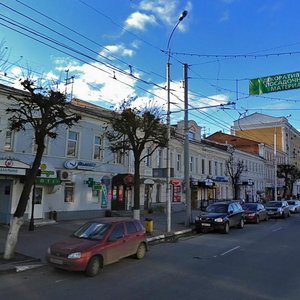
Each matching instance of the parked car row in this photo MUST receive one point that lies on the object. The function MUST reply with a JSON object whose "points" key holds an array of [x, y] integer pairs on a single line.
{"points": [[223, 215]]}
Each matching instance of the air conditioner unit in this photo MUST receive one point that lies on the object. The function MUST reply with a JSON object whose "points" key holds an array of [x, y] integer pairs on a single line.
{"points": [[65, 175]]}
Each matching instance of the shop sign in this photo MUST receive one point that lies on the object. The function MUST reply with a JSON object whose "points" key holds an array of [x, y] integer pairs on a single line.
{"points": [[47, 170], [47, 181], [12, 171], [78, 164]]}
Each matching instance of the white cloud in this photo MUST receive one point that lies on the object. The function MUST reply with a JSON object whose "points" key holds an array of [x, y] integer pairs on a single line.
{"points": [[139, 21], [117, 49], [167, 11]]}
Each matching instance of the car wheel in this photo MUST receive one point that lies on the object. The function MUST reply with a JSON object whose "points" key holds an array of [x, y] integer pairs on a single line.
{"points": [[257, 220], [226, 228], [242, 223], [93, 267], [141, 251]]}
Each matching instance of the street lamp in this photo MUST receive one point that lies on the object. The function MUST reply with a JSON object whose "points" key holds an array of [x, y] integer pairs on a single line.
{"points": [[182, 16]]}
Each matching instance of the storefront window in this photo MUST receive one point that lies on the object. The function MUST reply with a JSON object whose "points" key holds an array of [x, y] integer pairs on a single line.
{"points": [[69, 192]]}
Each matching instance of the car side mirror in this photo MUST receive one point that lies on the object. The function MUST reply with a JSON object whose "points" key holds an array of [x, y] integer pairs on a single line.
{"points": [[231, 211]]}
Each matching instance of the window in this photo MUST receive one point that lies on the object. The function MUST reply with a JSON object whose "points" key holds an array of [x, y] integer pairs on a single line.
{"points": [[191, 136], [9, 139], [178, 162], [191, 163], [118, 232], [72, 144], [196, 165], [131, 229], [159, 158], [119, 157], [69, 192], [216, 168], [209, 167], [98, 154], [148, 158], [96, 196], [221, 169], [203, 166]]}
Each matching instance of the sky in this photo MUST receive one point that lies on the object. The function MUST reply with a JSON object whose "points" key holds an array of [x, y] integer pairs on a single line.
{"points": [[112, 51]]}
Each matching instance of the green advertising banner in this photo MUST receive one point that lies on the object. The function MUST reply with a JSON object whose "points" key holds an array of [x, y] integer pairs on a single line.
{"points": [[274, 83]]}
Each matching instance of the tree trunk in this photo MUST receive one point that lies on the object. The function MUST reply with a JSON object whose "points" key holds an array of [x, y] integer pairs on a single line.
{"points": [[17, 221], [12, 237]]}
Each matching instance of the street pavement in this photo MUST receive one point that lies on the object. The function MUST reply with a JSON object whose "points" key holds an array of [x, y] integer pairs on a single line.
{"points": [[32, 245]]}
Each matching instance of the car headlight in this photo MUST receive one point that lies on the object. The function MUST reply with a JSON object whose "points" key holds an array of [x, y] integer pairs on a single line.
{"points": [[251, 215], [74, 255], [219, 220]]}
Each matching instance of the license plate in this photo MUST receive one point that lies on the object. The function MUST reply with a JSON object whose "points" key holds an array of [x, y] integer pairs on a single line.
{"points": [[56, 261], [205, 224]]}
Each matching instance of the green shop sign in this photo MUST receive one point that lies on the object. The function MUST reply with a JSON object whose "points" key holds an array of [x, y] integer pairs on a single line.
{"points": [[274, 83], [47, 181]]}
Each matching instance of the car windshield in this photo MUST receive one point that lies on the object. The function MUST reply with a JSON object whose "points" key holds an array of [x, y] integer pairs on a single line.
{"points": [[249, 206], [273, 204], [93, 231], [217, 208]]}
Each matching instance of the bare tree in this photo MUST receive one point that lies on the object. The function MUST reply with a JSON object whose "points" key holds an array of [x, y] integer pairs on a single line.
{"points": [[234, 169], [132, 130], [290, 174], [44, 111]]}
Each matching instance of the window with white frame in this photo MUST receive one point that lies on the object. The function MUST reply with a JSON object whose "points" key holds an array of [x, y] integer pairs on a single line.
{"points": [[98, 148], [159, 158], [216, 168], [69, 192], [221, 169], [148, 158], [72, 147], [9, 140], [196, 165], [178, 162], [203, 166], [209, 167], [119, 157], [96, 196], [191, 164]]}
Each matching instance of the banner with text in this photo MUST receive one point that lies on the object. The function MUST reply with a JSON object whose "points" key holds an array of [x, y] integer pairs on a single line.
{"points": [[274, 83]]}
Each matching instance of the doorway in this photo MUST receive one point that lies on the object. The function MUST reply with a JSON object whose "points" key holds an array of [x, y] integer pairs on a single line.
{"points": [[5, 200], [38, 203]]}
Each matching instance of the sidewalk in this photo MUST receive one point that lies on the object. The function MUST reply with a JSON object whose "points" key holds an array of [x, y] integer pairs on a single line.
{"points": [[32, 245]]}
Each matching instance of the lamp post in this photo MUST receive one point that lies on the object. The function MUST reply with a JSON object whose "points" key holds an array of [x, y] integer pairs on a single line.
{"points": [[182, 16]]}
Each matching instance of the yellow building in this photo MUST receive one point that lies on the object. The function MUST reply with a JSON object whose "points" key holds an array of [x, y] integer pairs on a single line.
{"points": [[273, 131]]}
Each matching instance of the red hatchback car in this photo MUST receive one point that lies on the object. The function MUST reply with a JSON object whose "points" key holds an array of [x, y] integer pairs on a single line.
{"points": [[99, 243]]}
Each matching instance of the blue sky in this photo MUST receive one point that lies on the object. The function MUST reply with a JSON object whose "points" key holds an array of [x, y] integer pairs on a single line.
{"points": [[118, 49]]}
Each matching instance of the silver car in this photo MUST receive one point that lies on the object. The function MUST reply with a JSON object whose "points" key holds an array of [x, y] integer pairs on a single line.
{"points": [[294, 205], [278, 209]]}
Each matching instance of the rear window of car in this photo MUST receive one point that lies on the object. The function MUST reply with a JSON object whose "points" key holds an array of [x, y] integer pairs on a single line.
{"points": [[217, 208], [291, 202], [274, 204], [249, 206]]}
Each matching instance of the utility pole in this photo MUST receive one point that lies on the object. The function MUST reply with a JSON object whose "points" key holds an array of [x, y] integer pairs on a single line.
{"points": [[275, 165], [186, 148]]}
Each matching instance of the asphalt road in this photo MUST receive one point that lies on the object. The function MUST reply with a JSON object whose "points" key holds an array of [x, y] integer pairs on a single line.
{"points": [[257, 262]]}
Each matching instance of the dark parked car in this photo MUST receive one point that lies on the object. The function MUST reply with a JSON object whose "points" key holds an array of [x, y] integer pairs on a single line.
{"points": [[96, 244], [294, 206], [278, 209], [220, 216], [255, 212]]}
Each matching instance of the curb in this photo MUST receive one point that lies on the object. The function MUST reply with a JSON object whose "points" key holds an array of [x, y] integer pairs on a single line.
{"points": [[164, 236]]}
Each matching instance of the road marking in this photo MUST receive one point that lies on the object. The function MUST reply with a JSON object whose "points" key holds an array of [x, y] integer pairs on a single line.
{"points": [[235, 248], [274, 230]]}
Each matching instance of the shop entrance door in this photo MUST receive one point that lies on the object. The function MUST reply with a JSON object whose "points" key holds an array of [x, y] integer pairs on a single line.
{"points": [[5, 201], [38, 203]]}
